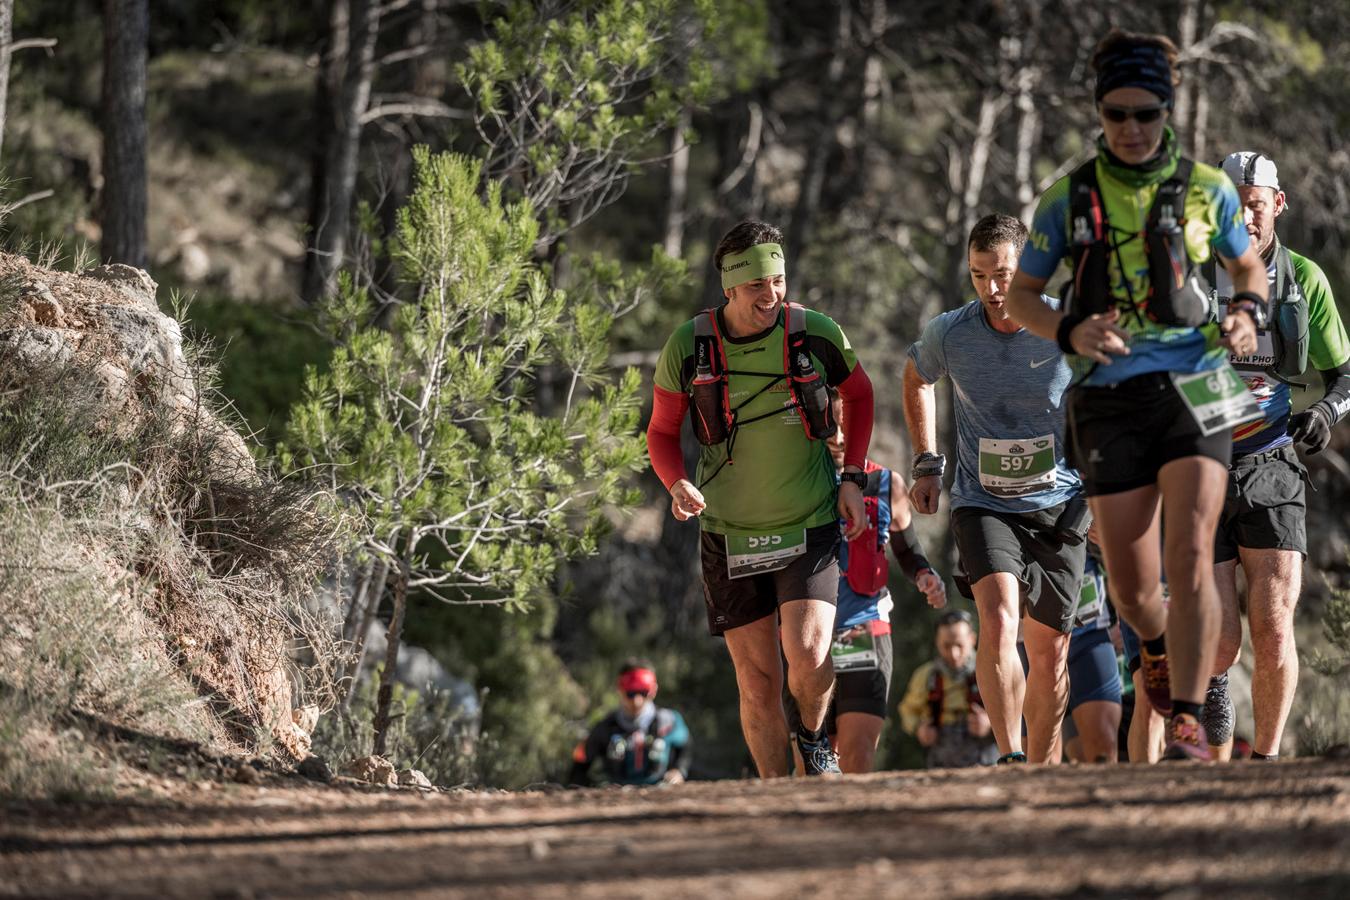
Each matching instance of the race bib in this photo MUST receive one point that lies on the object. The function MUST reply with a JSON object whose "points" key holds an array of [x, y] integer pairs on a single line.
{"points": [[1217, 399], [1263, 358], [754, 554], [854, 649], [1018, 467], [1089, 599]]}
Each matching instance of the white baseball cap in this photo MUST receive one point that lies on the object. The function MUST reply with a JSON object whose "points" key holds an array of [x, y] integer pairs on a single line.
{"points": [[1253, 169]]}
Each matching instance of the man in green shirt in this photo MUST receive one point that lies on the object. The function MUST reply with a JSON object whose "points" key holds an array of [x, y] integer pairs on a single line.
{"points": [[752, 374], [1262, 525]]}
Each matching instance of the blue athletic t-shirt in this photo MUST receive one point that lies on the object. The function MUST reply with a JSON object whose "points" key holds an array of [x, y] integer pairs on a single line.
{"points": [[1009, 391]]}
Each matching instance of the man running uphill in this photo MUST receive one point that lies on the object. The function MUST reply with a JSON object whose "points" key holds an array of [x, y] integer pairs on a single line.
{"points": [[1013, 495], [639, 742], [753, 374], [1262, 525], [862, 655]]}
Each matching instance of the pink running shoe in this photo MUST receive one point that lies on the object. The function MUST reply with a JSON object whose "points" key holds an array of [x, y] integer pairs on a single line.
{"points": [[1186, 739]]}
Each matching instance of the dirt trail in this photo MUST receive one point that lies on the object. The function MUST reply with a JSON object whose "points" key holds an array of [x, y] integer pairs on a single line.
{"points": [[1242, 830]]}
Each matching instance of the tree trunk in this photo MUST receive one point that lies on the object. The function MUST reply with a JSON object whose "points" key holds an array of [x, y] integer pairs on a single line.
{"points": [[393, 639], [1188, 29], [342, 97], [371, 606], [1028, 136], [6, 38], [126, 27], [357, 603], [678, 182], [803, 222]]}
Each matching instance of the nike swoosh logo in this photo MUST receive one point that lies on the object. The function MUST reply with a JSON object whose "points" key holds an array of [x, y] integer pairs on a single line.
{"points": [[1037, 365]]}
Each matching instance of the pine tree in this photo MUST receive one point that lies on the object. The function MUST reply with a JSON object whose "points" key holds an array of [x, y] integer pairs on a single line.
{"points": [[429, 427]]}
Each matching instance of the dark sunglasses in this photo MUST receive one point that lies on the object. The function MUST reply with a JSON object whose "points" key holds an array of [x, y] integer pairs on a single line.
{"points": [[1141, 114], [634, 694]]}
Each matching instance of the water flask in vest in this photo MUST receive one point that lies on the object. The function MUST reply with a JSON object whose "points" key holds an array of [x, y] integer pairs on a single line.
{"points": [[709, 425], [813, 398]]}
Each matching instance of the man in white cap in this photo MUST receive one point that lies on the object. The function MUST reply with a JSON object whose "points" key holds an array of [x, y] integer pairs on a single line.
{"points": [[1262, 526]]}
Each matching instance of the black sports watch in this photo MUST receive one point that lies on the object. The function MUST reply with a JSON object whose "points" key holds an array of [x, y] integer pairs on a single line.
{"points": [[1254, 305], [858, 478]]}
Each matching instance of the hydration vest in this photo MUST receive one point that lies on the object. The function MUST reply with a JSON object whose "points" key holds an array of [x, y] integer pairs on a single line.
{"points": [[936, 694], [716, 421], [864, 557], [642, 755], [1288, 326], [1177, 294]]}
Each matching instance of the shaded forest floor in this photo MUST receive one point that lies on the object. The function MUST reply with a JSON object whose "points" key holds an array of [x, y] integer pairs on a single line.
{"points": [[1238, 830]]}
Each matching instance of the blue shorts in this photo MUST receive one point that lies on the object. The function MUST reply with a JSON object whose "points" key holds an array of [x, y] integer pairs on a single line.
{"points": [[1129, 640], [1093, 672]]}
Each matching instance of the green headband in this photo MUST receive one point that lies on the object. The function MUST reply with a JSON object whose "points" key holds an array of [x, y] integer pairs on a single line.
{"points": [[759, 261]]}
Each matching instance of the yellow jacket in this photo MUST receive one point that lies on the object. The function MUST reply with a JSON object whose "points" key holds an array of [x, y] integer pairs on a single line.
{"points": [[914, 708]]}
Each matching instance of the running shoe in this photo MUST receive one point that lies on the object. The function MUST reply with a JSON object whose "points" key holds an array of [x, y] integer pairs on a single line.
{"points": [[818, 757], [1017, 756], [1157, 681], [1186, 739]]}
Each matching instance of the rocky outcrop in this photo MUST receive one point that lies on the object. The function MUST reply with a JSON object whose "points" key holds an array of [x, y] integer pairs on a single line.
{"points": [[99, 338]]}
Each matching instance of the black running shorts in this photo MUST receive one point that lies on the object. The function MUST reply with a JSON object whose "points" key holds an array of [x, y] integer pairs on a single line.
{"points": [[855, 690], [733, 602], [1121, 435], [1265, 508], [1023, 544], [864, 690]]}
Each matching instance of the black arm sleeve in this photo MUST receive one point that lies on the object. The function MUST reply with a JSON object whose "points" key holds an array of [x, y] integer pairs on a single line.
{"points": [[1336, 400], [681, 758], [908, 551]]}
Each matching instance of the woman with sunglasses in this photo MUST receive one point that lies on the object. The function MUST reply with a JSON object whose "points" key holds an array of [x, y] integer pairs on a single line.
{"points": [[1153, 401]]}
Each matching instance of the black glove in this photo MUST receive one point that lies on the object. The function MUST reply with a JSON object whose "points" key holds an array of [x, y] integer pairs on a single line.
{"points": [[1311, 428]]}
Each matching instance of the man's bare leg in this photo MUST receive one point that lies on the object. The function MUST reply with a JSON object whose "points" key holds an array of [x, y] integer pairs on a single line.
{"points": [[1274, 579], [1047, 689], [856, 741], [1147, 727], [807, 631], [1098, 724], [1230, 618], [998, 669], [759, 680]]}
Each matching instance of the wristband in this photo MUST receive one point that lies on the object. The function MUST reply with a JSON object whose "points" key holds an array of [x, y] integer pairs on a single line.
{"points": [[928, 463], [1067, 324]]}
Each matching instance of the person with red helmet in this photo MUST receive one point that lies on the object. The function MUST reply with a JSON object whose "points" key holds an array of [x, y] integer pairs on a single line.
{"points": [[639, 742]]}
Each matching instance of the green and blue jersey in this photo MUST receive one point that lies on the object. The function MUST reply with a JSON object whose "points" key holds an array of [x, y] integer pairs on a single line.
{"points": [[1213, 223]]}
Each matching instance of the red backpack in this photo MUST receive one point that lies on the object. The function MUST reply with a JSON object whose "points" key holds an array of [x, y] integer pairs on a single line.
{"points": [[867, 568]]}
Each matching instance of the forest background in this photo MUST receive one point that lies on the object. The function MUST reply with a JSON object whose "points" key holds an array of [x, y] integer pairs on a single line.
{"points": [[281, 149]]}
